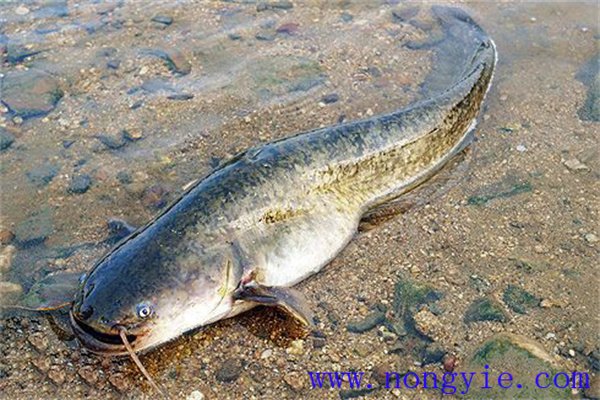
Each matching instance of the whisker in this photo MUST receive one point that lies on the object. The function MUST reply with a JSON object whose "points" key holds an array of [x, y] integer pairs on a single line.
{"points": [[136, 360]]}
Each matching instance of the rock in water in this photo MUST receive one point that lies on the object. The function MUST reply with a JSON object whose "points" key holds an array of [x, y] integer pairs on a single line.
{"points": [[30, 93]]}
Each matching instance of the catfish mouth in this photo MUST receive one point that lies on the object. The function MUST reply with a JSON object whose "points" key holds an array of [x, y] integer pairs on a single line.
{"points": [[100, 342]]}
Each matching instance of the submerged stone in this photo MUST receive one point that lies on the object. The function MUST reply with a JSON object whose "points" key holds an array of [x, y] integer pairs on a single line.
{"points": [[30, 93], [519, 300], [485, 309], [80, 184], [367, 323], [6, 139], [42, 174], [34, 229]]}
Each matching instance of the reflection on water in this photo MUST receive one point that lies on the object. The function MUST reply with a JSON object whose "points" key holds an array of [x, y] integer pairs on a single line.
{"points": [[109, 109]]}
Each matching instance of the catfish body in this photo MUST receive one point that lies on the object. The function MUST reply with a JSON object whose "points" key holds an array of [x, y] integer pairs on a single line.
{"points": [[269, 218]]}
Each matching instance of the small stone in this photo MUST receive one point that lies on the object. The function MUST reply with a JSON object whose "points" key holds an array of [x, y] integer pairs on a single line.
{"points": [[6, 257], [296, 347], [433, 354], [6, 139], [124, 177], [234, 36], [282, 5], [575, 165], [35, 228], [43, 174], [112, 142], [572, 352], [174, 59], [180, 96], [132, 134], [10, 292], [590, 238], [89, 374], [57, 375], [346, 17], [367, 323], [113, 64], [80, 184], [450, 362], [265, 36], [546, 303], [295, 381], [6, 236], [330, 98], [266, 354], [519, 300], [229, 371], [289, 29], [30, 93], [155, 196], [119, 381], [521, 148], [484, 309], [427, 323], [195, 395], [22, 10], [39, 341], [163, 19], [42, 364]]}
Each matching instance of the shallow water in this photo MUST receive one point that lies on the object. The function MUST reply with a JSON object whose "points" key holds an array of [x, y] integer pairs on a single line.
{"points": [[110, 109]]}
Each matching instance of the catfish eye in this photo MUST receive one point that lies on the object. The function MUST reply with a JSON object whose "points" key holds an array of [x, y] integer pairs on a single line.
{"points": [[143, 310]]}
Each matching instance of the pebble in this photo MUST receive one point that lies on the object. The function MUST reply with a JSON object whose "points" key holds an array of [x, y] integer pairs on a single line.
{"points": [[124, 177], [112, 142], [367, 323], [450, 362], [39, 341], [132, 134], [30, 93], [433, 354], [6, 236], [180, 96], [6, 256], [330, 98], [42, 364], [575, 165], [266, 354], [195, 395], [296, 347], [89, 374], [229, 371], [163, 19], [113, 64], [271, 5], [21, 10], [9, 291], [521, 148], [35, 228], [155, 196], [590, 238], [42, 174], [119, 382], [80, 184], [289, 29], [6, 139], [484, 309], [57, 375], [175, 60], [295, 381], [518, 299], [265, 36]]}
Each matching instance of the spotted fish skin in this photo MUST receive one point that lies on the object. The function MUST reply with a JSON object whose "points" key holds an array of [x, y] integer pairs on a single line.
{"points": [[274, 214]]}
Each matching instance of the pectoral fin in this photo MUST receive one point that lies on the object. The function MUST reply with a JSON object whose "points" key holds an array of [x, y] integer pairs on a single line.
{"points": [[288, 299]]}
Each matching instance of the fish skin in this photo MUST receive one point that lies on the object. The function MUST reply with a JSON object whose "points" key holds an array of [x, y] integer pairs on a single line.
{"points": [[278, 213]]}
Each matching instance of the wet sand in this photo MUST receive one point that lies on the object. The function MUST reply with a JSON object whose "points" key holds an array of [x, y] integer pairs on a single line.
{"points": [[130, 104]]}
